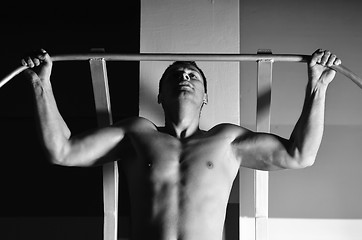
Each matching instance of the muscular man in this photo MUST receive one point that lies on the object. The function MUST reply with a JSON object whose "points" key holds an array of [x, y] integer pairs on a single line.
{"points": [[180, 176]]}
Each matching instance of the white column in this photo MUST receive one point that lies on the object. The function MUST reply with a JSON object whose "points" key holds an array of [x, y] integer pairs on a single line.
{"points": [[110, 170]]}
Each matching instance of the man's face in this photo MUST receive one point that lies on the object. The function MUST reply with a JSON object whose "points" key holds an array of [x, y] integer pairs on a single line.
{"points": [[183, 81]]}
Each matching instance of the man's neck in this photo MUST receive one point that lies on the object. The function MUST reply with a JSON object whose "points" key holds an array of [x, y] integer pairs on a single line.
{"points": [[180, 131], [182, 124]]}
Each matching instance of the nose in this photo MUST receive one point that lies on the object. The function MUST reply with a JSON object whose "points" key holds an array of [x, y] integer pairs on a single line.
{"points": [[186, 76]]}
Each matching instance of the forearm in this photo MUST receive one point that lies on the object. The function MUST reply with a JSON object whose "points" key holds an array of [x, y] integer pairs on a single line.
{"points": [[307, 134], [54, 132]]}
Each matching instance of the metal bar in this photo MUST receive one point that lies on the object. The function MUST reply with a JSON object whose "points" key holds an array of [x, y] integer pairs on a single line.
{"points": [[184, 57], [261, 178], [110, 170]]}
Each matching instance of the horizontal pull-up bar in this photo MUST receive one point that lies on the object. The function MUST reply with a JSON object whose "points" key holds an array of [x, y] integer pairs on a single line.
{"points": [[184, 57], [188, 57]]}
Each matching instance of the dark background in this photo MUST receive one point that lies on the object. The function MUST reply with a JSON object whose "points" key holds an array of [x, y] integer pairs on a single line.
{"points": [[30, 186]]}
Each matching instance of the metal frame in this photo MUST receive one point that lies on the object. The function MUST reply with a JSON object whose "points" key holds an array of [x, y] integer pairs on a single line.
{"points": [[265, 60]]}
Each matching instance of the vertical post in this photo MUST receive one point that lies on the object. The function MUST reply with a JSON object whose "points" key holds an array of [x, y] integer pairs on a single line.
{"points": [[110, 170], [261, 178]]}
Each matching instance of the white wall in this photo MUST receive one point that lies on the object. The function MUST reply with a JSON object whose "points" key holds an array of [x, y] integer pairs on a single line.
{"points": [[203, 26], [331, 188], [301, 27]]}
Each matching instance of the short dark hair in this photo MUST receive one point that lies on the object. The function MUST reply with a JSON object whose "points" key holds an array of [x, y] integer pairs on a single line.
{"points": [[182, 63]]}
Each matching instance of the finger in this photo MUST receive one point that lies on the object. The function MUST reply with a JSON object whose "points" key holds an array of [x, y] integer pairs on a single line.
{"points": [[23, 62], [36, 61], [338, 61], [331, 60], [316, 57], [42, 54], [41, 57], [325, 57], [29, 62], [45, 56]]}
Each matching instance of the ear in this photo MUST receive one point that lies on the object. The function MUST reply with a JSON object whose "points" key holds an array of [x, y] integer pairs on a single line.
{"points": [[206, 98]]}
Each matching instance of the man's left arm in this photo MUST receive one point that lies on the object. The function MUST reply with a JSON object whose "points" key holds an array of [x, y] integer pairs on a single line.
{"points": [[265, 151], [307, 134]]}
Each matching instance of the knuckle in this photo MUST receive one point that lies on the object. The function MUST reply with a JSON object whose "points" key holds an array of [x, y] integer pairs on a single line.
{"points": [[36, 61]]}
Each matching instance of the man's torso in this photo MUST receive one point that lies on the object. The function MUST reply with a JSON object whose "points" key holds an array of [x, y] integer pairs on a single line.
{"points": [[179, 189]]}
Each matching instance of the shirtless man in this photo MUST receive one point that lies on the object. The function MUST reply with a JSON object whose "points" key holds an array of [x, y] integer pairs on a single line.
{"points": [[179, 176]]}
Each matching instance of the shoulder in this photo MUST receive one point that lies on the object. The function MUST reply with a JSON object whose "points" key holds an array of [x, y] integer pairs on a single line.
{"points": [[229, 130], [135, 124]]}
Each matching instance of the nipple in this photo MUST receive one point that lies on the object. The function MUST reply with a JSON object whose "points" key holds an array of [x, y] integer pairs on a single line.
{"points": [[210, 165]]}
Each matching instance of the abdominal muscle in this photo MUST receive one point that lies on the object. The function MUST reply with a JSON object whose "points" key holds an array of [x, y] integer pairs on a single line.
{"points": [[189, 205], [173, 211]]}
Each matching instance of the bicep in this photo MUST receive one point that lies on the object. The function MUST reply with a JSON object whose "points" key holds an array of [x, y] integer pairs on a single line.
{"points": [[264, 151], [98, 146]]}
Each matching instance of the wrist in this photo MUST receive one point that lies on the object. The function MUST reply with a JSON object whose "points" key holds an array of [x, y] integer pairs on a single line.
{"points": [[317, 88], [40, 86], [37, 81]]}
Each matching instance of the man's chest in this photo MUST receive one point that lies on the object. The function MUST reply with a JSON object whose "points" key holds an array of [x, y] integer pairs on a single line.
{"points": [[165, 156]]}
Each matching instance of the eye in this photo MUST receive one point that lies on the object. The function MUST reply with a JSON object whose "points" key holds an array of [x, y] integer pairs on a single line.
{"points": [[176, 75], [193, 76]]}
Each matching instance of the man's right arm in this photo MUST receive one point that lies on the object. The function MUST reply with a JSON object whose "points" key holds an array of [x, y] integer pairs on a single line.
{"points": [[89, 149]]}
